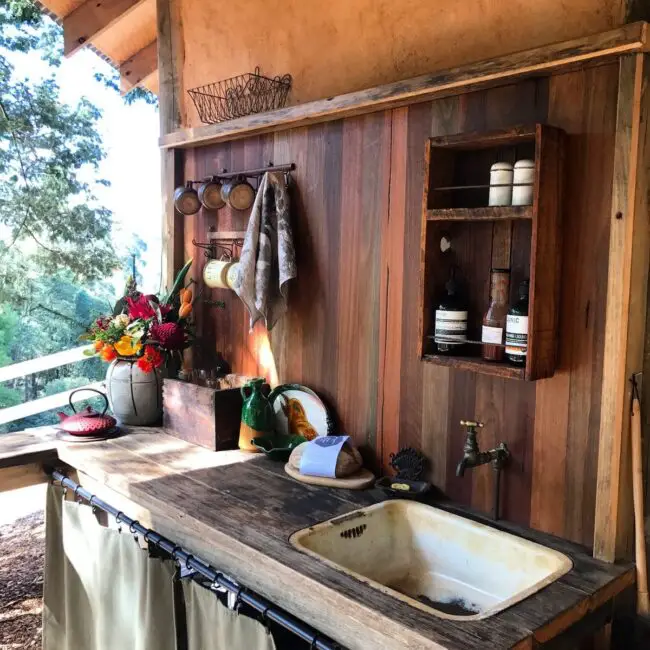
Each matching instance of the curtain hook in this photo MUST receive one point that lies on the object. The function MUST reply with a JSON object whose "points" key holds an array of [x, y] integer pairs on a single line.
{"points": [[175, 551], [76, 494], [118, 520], [265, 621], [314, 641], [187, 562]]}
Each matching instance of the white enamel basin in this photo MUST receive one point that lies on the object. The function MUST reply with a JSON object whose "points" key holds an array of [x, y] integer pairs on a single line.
{"points": [[441, 563]]}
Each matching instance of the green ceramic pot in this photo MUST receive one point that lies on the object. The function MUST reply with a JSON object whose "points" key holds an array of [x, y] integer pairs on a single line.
{"points": [[278, 447], [257, 417]]}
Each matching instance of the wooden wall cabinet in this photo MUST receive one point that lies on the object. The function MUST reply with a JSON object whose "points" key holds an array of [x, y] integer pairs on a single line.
{"points": [[526, 239]]}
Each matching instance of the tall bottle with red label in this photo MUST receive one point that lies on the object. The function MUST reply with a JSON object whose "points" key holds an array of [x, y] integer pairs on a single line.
{"points": [[494, 321]]}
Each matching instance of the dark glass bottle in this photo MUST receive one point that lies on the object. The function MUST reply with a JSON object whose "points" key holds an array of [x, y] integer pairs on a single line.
{"points": [[517, 328], [451, 321], [494, 321]]}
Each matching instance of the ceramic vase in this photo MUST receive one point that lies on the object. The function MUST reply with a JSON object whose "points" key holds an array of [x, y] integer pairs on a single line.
{"points": [[256, 416], [135, 396]]}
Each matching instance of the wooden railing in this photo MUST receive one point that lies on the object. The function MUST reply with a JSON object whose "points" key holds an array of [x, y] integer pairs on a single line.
{"points": [[42, 404]]}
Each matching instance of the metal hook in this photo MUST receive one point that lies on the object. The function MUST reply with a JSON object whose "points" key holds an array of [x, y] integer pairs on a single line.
{"points": [[132, 528], [265, 622], [175, 551], [187, 562], [312, 645], [78, 499]]}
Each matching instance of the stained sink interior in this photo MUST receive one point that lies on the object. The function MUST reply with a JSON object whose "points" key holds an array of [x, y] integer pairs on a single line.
{"points": [[439, 562]]}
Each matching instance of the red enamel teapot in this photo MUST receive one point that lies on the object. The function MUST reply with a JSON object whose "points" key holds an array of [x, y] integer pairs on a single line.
{"points": [[87, 422]]}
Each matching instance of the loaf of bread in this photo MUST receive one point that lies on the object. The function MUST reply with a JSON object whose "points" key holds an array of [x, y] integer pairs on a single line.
{"points": [[348, 462]]}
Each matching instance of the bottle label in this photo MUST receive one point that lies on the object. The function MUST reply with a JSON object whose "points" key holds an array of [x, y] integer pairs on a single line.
{"points": [[517, 335], [492, 334], [451, 327]]}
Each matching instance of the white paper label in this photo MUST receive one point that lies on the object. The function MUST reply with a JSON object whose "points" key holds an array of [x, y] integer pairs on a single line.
{"points": [[517, 335], [451, 327], [321, 454], [492, 334]]}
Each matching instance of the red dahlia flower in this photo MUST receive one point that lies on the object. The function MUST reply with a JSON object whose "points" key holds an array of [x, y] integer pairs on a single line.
{"points": [[170, 335]]}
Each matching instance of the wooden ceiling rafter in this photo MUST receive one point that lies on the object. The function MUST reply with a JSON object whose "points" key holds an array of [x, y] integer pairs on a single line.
{"points": [[91, 19], [135, 70], [106, 27]]}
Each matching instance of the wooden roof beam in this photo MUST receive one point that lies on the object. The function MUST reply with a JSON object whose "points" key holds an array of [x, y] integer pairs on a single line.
{"points": [[137, 68], [91, 19]]}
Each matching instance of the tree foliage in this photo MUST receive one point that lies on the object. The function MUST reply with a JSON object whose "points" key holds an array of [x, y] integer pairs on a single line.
{"points": [[56, 246]]}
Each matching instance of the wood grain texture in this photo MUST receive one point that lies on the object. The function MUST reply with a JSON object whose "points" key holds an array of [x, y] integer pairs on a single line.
{"points": [[174, 487], [135, 70], [626, 309], [329, 338], [91, 19], [170, 65], [476, 76], [353, 326]]}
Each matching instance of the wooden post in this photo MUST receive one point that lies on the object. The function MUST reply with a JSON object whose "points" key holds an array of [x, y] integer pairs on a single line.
{"points": [[627, 284], [170, 71]]}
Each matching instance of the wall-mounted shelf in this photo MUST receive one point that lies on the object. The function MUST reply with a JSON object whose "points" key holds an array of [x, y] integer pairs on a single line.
{"points": [[478, 237], [487, 213]]}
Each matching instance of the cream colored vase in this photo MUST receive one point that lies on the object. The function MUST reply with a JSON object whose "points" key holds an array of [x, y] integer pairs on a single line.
{"points": [[135, 396]]}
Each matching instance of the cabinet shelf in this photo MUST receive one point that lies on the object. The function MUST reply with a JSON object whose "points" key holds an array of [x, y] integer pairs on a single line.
{"points": [[475, 364], [490, 213], [462, 235]]}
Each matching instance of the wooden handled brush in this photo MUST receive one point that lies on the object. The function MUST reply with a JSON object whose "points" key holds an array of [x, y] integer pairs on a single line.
{"points": [[643, 604]]}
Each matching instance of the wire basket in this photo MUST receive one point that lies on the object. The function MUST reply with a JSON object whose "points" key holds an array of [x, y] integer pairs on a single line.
{"points": [[239, 96]]}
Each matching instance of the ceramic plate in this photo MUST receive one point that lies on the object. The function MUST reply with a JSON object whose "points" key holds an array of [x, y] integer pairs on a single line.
{"points": [[300, 412]]}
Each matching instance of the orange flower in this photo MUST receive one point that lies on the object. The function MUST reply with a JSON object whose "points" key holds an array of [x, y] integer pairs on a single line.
{"points": [[187, 296], [108, 353], [99, 345], [185, 310], [150, 359]]}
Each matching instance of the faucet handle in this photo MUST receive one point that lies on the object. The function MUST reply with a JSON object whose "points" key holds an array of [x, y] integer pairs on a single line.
{"points": [[471, 425]]}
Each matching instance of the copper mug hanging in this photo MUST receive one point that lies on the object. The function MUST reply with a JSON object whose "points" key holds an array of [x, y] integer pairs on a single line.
{"points": [[186, 199], [210, 194], [238, 193]]}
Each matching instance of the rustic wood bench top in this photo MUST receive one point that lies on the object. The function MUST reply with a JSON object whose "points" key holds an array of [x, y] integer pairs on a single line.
{"points": [[238, 510]]}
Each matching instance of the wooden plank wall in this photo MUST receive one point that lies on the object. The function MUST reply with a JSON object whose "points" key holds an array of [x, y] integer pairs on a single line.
{"points": [[351, 332]]}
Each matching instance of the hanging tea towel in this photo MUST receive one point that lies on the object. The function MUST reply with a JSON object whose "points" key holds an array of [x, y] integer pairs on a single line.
{"points": [[268, 259]]}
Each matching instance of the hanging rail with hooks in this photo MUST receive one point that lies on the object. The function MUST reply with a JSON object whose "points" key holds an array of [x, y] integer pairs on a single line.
{"points": [[217, 579], [224, 174]]}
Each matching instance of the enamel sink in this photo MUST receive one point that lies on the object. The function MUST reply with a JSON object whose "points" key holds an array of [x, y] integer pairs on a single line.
{"points": [[441, 563]]}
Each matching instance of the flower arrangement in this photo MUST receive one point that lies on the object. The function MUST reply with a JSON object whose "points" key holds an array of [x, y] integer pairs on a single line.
{"points": [[144, 328]]}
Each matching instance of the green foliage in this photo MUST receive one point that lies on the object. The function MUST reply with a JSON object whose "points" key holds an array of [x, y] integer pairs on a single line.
{"points": [[9, 397], [135, 94]]}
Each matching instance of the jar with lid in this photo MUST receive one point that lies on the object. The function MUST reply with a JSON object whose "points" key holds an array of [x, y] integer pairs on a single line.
{"points": [[523, 179], [501, 175]]}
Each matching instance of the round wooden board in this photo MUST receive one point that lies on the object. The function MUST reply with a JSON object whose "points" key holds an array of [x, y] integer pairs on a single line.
{"points": [[357, 481]]}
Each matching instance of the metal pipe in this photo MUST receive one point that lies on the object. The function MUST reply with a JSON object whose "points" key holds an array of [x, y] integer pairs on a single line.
{"points": [[289, 167], [184, 557]]}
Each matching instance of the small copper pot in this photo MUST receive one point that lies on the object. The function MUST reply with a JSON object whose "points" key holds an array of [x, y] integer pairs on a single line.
{"points": [[238, 193], [210, 194], [186, 199]]}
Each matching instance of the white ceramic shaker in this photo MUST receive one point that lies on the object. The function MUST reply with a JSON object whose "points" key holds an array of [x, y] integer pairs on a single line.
{"points": [[501, 175], [523, 179]]}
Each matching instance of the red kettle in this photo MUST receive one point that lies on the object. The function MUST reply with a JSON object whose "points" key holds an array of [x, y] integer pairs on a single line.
{"points": [[87, 422]]}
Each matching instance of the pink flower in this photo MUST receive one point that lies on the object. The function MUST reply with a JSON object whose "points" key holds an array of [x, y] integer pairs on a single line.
{"points": [[140, 307], [170, 336]]}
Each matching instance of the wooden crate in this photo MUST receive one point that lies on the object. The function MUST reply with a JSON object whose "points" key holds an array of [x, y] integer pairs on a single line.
{"points": [[204, 416], [524, 239]]}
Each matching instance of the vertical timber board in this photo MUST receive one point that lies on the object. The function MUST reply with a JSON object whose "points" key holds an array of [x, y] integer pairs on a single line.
{"points": [[170, 66], [626, 307]]}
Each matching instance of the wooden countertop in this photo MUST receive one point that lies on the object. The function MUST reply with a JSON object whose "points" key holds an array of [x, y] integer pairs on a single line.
{"points": [[238, 510]]}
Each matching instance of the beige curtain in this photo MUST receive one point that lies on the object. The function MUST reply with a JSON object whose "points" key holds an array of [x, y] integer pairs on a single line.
{"points": [[212, 626], [101, 590]]}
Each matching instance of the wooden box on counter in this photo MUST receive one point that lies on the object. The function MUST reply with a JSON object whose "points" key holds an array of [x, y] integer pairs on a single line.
{"points": [[204, 416]]}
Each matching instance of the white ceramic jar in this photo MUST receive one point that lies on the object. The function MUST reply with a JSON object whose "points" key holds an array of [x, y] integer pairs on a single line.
{"points": [[523, 180], [501, 175], [135, 396]]}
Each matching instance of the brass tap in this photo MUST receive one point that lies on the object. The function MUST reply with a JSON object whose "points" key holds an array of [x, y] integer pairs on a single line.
{"points": [[473, 457]]}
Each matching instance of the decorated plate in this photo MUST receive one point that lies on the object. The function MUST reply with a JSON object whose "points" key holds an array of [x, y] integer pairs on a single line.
{"points": [[300, 412]]}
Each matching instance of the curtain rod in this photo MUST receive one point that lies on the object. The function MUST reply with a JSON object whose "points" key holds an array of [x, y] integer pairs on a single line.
{"points": [[248, 173], [190, 561]]}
